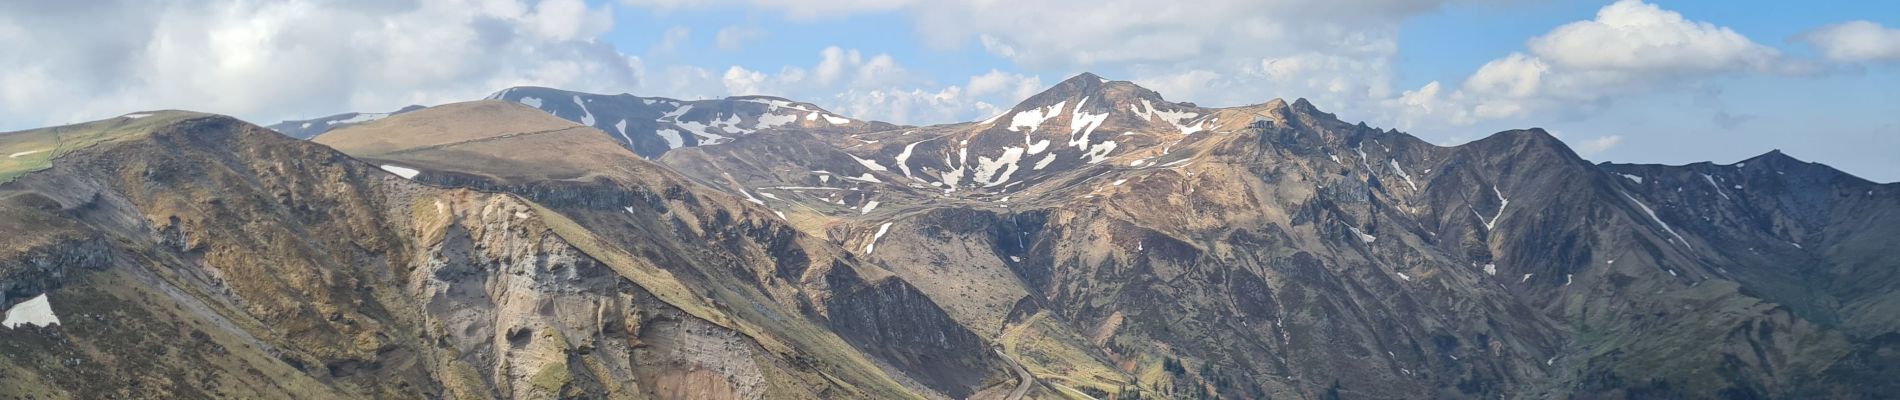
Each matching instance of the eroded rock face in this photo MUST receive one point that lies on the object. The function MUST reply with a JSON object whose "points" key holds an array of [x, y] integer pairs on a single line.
{"points": [[213, 259]]}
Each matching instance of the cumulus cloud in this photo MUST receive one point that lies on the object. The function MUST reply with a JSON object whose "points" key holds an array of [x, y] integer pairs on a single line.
{"points": [[1630, 47], [876, 86], [76, 61], [1855, 41], [1338, 53]]}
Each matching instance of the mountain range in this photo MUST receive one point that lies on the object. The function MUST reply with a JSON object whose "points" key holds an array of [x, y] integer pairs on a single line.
{"points": [[1094, 241]]}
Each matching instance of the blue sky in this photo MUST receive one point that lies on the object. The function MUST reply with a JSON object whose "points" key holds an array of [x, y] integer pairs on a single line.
{"points": [[1659, 81]]}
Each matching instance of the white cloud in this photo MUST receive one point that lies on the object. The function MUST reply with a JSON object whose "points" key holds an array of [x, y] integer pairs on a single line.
{"points": [[1631, 35], [1016, 86], [76, 61], [1339, 53], [1855, 41], [1631, 47], [1598, 145]]}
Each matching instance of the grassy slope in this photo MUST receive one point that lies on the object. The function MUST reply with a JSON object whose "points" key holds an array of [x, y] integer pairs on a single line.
{"points": [[33, 150]]}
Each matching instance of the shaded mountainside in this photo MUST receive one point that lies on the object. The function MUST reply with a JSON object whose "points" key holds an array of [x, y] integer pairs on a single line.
{"points": [[189, 255], [1094, 241]]}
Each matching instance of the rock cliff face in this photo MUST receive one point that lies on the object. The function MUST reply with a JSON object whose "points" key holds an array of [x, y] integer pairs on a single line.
{"points": [[206, 257]]}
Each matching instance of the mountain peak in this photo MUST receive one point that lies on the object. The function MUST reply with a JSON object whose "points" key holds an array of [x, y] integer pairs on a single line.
{"points": [[1085, 77], [1104, 93]]}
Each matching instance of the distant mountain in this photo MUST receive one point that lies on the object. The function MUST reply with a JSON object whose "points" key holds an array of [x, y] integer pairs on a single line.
{"points": [[1094, 241], [651, 126], [305, 129]]}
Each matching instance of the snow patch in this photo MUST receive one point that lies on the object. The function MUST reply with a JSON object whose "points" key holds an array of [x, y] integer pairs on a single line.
{"points": [[1637, 179], [1659, 221], [881, 230], [1402, 174], [1491, 269], [872, 165], [405, 173], [676, 113], [1046, 160], [903, 158], [138, 115], [1361, 234], [868, 206], [26, 153], [37, 311], [1033, 119], [530, 101], [622, 128], [1502, 202], [1718, 188], [997, 171], [866, 177], [768, 121], [672, 138], [835, 120], [587, 116], [1099, 151]]}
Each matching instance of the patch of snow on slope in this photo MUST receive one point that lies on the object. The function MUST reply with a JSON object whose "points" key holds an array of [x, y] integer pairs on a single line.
{"points": [[903, 158], [866, 177], [1039, 146], [997, 171], [37, 311], [26, 153], [1082, 124], [621, 127], [1402, 174], [881, 230], [768, 121], [1033, 119], [1099, 151], [835, 120], [1659, 221], [1362, 235], [1046, 160], [1634, 178], [868, 206], [676, 113], [405, 173], [672, 137], [1491, 269], [140, 115], [1718, 188], [1502, 202], [587, 116], [748, 197], [873, 165], [530, 101]]}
